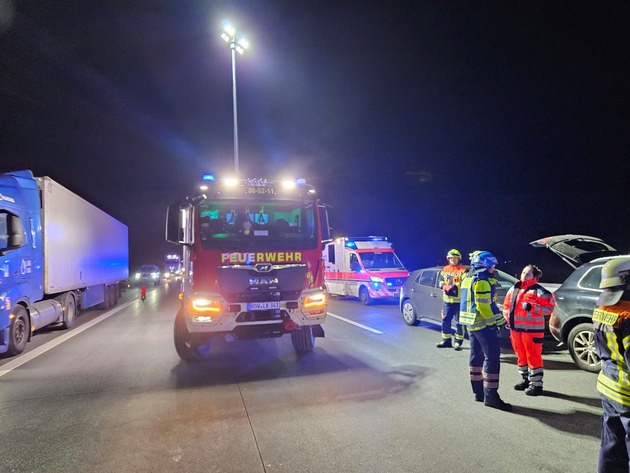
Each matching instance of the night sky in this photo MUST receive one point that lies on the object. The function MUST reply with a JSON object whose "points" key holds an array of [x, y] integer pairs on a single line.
{"points": [[474, 125]]}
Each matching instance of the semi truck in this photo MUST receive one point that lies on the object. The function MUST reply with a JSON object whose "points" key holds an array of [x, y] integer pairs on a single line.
{"points": [[59, 255], [363, 267], [252, 263]]}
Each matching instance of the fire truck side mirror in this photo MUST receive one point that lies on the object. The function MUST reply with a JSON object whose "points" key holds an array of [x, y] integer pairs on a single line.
{"points": [[179, 228]]}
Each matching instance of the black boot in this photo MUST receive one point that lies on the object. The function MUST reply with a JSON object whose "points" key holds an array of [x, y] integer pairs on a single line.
{"points": [[446, 343], [522, 384], [493, 400], [534, 390]]}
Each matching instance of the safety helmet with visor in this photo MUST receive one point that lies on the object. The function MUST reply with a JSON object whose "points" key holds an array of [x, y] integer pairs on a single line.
{"points": [[484, 260], [454, 254], [615, 279]]}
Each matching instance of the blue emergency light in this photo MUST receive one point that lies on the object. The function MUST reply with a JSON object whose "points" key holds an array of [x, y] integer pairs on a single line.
{"points": [[208, 177]]}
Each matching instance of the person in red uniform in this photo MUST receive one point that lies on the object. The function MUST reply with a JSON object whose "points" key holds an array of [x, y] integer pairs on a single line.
{"points": [[143, 292], [525, 307], [450, 279]]}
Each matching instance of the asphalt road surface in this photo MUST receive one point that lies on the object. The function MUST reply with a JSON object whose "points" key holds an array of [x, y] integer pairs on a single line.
{"points": [[111, 395]]}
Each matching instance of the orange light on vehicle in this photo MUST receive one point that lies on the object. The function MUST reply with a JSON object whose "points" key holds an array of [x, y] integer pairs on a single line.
{"points": [[204, 305], [317, 300]]}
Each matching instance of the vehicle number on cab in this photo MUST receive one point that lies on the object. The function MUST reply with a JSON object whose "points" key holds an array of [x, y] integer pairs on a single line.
{"points": [[263, 305]]}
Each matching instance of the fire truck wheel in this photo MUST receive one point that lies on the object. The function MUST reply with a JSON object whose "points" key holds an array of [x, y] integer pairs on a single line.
{"points": [[70, 310], [19, 331], [303, 339], [364, 296], [409, 313], [186, 349]]}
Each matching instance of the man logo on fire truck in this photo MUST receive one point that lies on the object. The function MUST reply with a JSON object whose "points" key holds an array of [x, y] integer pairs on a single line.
{"points": [[230, 234]]}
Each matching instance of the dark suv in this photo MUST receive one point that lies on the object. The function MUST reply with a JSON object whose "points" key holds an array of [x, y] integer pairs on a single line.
{"points": [[571, 322]]}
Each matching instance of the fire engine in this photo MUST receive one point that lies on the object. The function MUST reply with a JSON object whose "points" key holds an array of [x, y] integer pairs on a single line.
{"points": [[252, 260], [363, 267]]}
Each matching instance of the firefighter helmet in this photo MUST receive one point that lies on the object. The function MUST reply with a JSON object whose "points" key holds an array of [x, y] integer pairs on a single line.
{"points": [[454, 254], [615, 277], [484, 260], [472, 255]]}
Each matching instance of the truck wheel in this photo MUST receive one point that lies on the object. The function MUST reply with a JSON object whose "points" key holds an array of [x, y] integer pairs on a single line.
{"points": [[69, 311], [19, 331], [409, 313], [364, 296], [581, 342], [186, 349], [303, 339]]}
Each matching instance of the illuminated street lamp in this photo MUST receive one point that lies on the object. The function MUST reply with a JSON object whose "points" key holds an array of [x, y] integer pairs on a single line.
{"points": [[237, 44]]}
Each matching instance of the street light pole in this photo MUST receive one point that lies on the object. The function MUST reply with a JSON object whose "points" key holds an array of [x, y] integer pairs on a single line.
{"points": [[237, 44]]}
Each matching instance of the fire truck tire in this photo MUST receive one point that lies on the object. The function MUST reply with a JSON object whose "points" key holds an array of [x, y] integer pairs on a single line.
{"points": [[303, 339], [364, 296], [186, 349], [70, 310], [409, 313], [19, 331]]}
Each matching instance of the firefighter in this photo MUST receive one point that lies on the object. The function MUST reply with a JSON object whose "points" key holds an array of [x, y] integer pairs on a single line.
{"points": [[611, 324], [450, 279], [479, 312], [525, 307]]}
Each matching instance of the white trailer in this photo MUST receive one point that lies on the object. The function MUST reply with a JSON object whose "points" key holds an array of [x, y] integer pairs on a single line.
{"points": [[85, 249]]}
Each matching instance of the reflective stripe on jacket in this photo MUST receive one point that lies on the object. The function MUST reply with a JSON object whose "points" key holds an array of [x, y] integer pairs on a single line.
{"points": [[451, 276], [526, 305], [477, 308], [612, 341]]}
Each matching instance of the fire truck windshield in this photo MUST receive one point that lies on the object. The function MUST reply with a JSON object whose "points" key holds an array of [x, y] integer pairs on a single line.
{"points": [[270, 225]]}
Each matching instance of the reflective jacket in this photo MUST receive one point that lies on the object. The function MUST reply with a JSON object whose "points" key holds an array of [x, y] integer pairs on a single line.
{"points": [[477, 308], [612, 341], [450, 281], [526, 305]]}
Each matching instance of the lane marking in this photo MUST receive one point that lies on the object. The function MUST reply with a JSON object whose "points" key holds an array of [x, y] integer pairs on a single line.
{"points": [[30, 355], [364, 327]]}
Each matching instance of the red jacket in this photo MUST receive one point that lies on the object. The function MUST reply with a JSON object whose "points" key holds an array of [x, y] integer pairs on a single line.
{"points": [[526, 305]]}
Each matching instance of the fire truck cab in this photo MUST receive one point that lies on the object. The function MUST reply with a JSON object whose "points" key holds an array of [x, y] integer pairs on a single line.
{"points": [[252, 263], [363, 267]]}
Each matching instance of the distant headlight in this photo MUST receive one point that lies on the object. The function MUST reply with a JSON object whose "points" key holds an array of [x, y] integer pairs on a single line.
{"points": [[138, 275]]}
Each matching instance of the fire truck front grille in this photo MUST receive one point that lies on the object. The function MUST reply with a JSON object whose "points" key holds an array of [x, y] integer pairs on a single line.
{"points": [[246, 284], [394, 282]]}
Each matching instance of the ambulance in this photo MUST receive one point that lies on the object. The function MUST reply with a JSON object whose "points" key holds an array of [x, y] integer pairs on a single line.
{"points": [[363, 267]]}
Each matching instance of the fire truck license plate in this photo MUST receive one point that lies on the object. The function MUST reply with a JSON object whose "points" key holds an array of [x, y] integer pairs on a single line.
{"points": [[263, 305]]}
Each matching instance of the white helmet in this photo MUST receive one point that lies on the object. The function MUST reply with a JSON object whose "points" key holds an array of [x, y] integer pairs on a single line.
{"points": [[615, 277]]}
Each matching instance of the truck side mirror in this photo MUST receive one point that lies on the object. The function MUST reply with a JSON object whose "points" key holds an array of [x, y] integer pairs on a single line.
{"points": [[179, 228]]}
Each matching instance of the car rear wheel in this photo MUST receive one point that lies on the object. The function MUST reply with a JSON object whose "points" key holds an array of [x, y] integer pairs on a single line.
{"points": [[409, 313], [581, 342]]}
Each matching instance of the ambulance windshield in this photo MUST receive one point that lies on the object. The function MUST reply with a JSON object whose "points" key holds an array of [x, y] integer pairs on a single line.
{"points": [[239, 224], [381, 260]]}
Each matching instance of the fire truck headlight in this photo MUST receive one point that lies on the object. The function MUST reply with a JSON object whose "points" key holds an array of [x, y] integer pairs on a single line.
{"points": [[203, 309], [315, 304]]}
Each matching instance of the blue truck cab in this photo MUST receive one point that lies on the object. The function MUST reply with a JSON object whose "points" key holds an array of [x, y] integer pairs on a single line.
{"points": [[21, 253]]}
